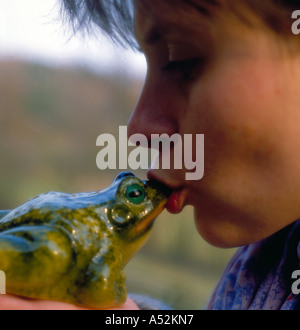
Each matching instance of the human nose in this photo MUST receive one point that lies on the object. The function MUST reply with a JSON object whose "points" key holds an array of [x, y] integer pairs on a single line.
{"points": [[154, 113]]}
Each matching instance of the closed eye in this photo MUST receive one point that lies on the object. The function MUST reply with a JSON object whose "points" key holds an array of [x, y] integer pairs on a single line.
{"points": [[184, 68]]}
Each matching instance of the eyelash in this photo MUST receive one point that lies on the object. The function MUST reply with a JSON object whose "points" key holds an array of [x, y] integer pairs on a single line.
{"points": [[185, 68]]}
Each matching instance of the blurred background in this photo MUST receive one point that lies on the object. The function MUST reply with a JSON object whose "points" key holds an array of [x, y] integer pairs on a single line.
{"points": [[58, 92]]}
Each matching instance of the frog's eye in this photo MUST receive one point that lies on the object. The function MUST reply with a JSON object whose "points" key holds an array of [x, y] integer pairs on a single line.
{"points": [[135, 194]]}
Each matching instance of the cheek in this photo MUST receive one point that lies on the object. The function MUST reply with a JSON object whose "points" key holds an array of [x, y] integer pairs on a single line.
{"points": [[248, 189], [241, 118]]}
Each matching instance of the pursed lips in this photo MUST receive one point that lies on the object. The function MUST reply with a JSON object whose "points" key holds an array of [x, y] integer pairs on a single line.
{"points": [[177, 199]]}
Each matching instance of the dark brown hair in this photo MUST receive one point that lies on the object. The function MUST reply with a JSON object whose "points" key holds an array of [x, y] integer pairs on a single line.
{"points": [[115, 17]]}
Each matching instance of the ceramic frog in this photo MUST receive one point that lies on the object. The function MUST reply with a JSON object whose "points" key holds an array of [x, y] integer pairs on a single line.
{"points": [[74, 247]]}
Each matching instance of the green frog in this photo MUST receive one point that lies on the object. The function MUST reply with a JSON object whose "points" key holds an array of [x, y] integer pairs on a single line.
{"points": [[74, 247]]}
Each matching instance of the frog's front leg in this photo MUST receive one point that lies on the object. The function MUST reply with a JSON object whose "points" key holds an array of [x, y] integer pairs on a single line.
{"points": [[33, 257], [105, 285]]}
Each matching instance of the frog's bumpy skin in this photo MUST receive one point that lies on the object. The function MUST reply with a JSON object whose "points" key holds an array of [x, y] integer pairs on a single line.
{"points": [[67, 247]]}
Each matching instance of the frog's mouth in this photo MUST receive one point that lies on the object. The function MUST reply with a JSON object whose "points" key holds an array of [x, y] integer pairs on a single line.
{"points": [[164, 193], [146, 224], [160, 187]]}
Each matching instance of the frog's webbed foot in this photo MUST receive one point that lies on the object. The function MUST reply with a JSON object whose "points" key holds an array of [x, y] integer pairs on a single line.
{"points": [[33, 256]]}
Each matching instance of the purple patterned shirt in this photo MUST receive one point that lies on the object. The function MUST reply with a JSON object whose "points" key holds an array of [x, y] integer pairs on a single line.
{"points": [[259, 276]]}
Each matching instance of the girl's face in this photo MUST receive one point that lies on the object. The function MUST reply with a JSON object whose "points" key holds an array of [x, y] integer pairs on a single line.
{"points": [[238, 86]]}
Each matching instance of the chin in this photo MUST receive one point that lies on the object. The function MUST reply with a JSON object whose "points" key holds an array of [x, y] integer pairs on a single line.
{"points": [[215, 238], [219, 232]]}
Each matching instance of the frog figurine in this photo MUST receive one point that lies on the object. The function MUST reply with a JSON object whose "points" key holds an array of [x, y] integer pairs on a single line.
{"points": [[74, 247]]}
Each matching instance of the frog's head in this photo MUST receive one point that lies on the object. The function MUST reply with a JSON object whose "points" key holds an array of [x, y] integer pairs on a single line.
{"points": [[137, 204]]}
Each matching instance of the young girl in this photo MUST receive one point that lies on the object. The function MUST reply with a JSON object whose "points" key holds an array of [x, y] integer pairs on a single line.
{"points": [[228, 69]]}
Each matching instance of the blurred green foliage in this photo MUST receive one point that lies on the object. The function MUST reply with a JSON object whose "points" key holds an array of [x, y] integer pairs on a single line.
{"points": [[49, 122]]}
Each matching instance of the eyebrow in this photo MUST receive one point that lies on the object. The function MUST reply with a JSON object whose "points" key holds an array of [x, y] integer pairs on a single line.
{"points": [[203, 6], [157, 32]]}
